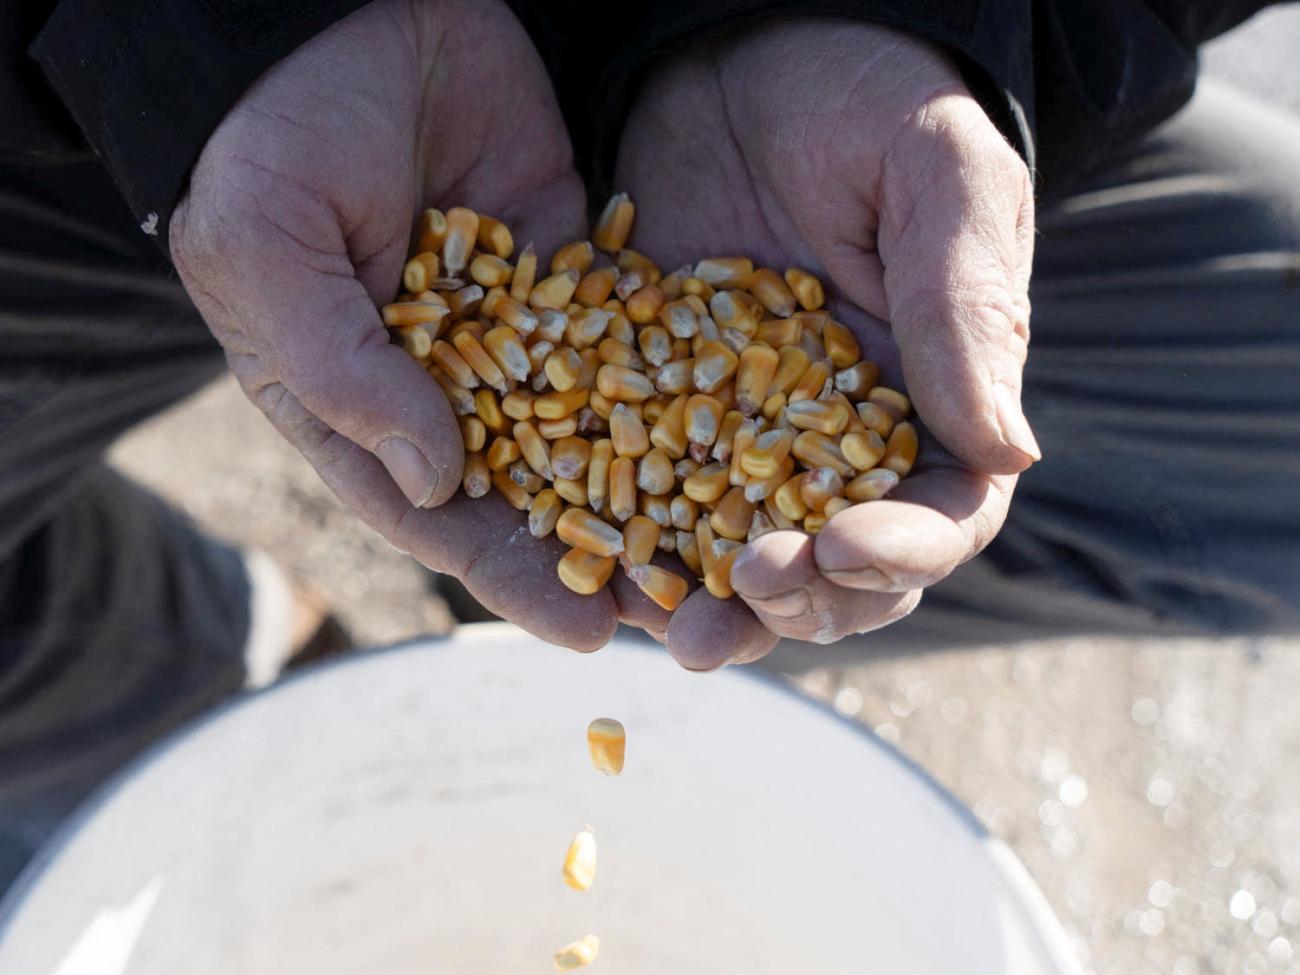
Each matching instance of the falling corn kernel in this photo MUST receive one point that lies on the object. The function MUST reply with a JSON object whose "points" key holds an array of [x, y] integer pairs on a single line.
{"points": [[577, 955], [579, 870], [606, 740]]}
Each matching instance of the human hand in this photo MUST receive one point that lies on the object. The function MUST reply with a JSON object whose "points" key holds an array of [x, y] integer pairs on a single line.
{"points": [[297, 224], [857, 153]]}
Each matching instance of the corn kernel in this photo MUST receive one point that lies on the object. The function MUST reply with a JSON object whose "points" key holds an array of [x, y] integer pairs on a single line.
{"points": [[432, 230], [582, 529], [579, 870], [900, 451], [544, 513], [615, 224], [655, 472], [871, 486], [511, 491], [622, 488], [583, 572], [806, 288], [477, 479], [462, 230], [770, 288], [607, 742], [473, 432], [891, 401], [640, 535], [725, 272], [667, 589]]}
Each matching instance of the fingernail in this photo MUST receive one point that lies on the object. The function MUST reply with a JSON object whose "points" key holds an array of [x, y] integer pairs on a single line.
{"points": [[407, 466], [1011, 419], [787, 605], [866, 578]]}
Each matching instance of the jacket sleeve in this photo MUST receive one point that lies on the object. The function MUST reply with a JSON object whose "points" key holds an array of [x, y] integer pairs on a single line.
{"points": [[146, 81], [1064, 80]]}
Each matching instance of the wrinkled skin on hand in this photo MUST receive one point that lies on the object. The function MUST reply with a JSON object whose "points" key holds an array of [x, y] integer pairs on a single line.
{"points": [[857, 153], [296, 225]]}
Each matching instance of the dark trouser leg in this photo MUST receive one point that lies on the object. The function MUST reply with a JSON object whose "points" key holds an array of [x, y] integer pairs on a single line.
{"points": [[118, 620], [1164, 385]]}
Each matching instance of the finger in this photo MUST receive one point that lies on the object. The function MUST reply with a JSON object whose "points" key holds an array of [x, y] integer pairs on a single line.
{"points": [[777, 575], [706, 633], [485, 542], [274, 269], [933, 522], [951, 241]]}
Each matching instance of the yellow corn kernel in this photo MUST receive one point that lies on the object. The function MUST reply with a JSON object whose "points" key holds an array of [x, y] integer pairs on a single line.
{"points": [[462, 230], [465, 301], [871, 486], [620, 327], [811, 383], [835, 505], [779, 332], [644, 304], [607, 743], [587, 422], [582, 529], [759, 526], [544, 513], [689, 552], [562, 368], [789, 501], [655, 507], [813, 345], [512, 492], [533, 449], [524, 476], [583, 572], [576, 256], [416, 340], [714, 365], [900, 450], [503, 345], [818, 450], [614, 224], [764, 457], [460, 398], [876, 419], [629, 283], [579, 870], [679, 318], [656, 345], [731, 517], [596, 286], [654, 473], [655, 407], [489, 271], [587, 327], [683, 512], [669, 431], [488, 409], [862, 450], [525, 275], [627, 432], [569, 457], [612, 352], [518, 404], [571, 491], [477, 479], [554, 292], [724, 272], [704, 540], [770, 288], [708, 484], [685, 467], [676, 377], [514, 314], [774, 405], [558, 429], [558, 405], [736, 310], [473, 433], [815, 522], [722, 447], [403, 313], [671, 285], [590, 366], [666, 589], [601, 405], [806, 288], [824, 416], [794, 362], [819, 485], [431, 230], [668, 540], [891, 401], [694, 286], [623, 385], [776, 516], [744, 439], [857, 380], [640, 536], [718, 578], [484, 366], [622, 488], [841, 345], [702, 420], [494, 237], [754, 373], [602, 457], [420, 271]]}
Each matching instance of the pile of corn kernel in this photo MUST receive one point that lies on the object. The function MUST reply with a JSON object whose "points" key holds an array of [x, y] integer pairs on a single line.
{"points": [[628, 410]]}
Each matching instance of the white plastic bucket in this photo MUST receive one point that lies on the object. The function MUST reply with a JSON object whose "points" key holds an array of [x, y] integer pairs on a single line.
{"points": [[406, 812]]}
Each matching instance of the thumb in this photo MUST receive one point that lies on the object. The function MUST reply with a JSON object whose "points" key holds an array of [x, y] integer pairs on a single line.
{"points": [[956, 284], [302, 310]]}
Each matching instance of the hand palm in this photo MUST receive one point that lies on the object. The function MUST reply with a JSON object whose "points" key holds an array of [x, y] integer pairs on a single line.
{"points": [[734, 149]]}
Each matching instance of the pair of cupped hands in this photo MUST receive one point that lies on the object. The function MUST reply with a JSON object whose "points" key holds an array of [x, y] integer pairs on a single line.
{"points": [[850, 150]]}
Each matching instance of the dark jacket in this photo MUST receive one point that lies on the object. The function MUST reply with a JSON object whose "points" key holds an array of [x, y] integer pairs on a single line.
{"points": [[142, 83]]}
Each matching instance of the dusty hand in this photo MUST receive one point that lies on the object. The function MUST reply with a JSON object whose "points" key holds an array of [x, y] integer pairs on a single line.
{"points": [[296, 225], [857, 153]]}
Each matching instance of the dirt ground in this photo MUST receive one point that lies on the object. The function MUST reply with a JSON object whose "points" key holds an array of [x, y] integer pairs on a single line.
{"points": [[1149, 788]]}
